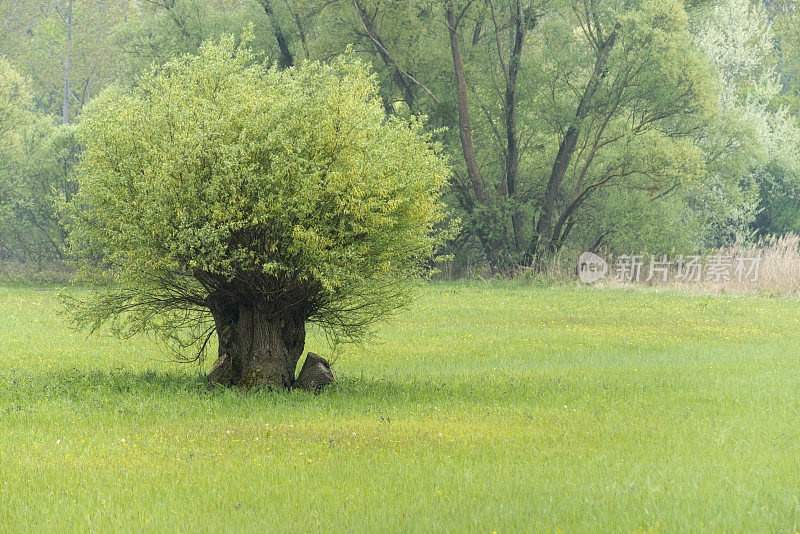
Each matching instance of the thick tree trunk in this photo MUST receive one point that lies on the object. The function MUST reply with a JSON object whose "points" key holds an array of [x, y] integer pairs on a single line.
{"points": [[464, 125], [265, 357], [518, 28], [252, 352], [256, 350], [67, 66], [287, 59], [294, 337]]}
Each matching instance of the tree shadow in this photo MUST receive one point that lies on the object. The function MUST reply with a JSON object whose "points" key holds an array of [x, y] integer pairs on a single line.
{"points": [[77, 384], [70, 382]]}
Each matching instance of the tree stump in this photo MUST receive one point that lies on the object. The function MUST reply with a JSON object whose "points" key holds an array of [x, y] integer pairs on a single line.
{"points": [[220, 373], [315, 374]]}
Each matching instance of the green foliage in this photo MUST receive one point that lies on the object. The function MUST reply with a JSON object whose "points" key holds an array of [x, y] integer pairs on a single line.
{"points": [[14, 102], [36, 162], [753, 145], [786, 25], [163, 31], [779, 194], [48, 40], [630, 221], [216, 174]]}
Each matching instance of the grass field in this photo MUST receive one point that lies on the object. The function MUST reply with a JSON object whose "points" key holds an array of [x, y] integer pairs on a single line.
{"points": [[483, 408]]}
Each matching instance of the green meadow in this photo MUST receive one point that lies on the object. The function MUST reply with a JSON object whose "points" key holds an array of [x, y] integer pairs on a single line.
{"points": [[482, 408]]}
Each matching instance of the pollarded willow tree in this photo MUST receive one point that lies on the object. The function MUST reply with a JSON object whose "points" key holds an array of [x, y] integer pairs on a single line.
{"points": [[224, 197]]}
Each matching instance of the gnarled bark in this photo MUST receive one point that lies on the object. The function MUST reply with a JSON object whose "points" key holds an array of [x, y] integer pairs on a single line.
{"points": [[252, 352], [258, 350]]}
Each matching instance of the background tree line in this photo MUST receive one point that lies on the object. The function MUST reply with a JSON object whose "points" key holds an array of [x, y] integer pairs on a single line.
{"points": [[627, 125]]}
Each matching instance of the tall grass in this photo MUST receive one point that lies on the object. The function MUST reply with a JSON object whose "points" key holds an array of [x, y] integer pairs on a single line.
{"points": [[776, 271], [780, 263]]}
